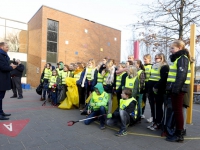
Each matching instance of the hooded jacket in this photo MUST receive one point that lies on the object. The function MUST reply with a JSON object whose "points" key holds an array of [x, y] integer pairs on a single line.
{"points": [[179, 85], [103, 101]]}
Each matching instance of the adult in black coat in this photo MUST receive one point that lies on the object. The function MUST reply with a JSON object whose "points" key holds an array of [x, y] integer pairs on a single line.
{"points": [[5, 78]]}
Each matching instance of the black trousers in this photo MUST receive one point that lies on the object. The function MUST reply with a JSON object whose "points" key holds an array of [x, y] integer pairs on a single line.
{"points": [[2, 94], [81, 95], [156, 104], [17, 87]]}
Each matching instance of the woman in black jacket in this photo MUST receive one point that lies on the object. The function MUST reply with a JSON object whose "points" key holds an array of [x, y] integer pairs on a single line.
{"points": [[177, 84]]}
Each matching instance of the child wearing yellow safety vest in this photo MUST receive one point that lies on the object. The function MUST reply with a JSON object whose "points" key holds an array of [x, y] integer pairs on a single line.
{"points": [[125, 114], [147, 66], [44, 80], [120, 79], [141, 77], [109, 78], [62, 86], [78, 73], [132, 80], [89, 79], [178, 82], [157, 89], [98, 105], [53, 83], [60, 68]]}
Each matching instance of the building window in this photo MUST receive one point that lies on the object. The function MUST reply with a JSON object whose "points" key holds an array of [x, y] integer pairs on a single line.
{"points": [[52, 41]]}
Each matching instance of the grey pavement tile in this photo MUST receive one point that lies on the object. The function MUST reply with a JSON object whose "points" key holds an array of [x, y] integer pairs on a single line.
{"points": [[15, 146], [34, 143], [19, 138], [74, 148], [91, 146], [190, 145], [33, 148], [3, 140], [53, 138], [52, 146], [105, 142], [35, 134], [163, 144], [70, 143]]}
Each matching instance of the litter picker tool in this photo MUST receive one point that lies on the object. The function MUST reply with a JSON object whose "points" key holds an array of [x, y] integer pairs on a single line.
{"points": [[71, 123]]}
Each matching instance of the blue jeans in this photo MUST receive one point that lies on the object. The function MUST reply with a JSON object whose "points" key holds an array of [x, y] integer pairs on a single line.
{"points": [[45, 89], [54, 97], [2, 94], [101, 111], [140, 104]]}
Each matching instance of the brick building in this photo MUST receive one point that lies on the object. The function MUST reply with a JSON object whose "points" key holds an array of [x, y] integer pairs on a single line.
{"points": [[55, 36]]}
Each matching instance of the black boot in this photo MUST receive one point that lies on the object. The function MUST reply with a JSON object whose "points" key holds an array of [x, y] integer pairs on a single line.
{"points": [[177, 137]]}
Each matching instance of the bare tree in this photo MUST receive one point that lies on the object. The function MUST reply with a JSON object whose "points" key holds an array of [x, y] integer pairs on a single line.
{"points": [[13, 41], [166, 20]]}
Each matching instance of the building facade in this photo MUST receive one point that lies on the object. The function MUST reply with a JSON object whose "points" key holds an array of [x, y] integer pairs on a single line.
{"points": [[14, 33], [55, 36]]}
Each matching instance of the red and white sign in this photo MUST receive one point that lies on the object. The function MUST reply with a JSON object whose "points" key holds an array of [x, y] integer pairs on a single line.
{"points": [[12, 128]]}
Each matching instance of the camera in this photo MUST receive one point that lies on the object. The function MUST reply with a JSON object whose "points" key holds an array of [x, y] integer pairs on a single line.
{"points": [[14, 61]]}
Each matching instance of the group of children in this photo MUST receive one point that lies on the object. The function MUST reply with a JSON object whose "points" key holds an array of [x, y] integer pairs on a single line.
{"points": [[132, 83]]}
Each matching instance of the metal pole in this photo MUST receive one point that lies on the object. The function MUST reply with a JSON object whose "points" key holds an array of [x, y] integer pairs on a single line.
{"points": [[192, 52]]}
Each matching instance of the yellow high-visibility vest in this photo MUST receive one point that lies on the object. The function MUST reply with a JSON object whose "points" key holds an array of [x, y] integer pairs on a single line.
{"points": [[147, 72], [125, 103], [155, 74], [119, 79], [47, 73], [130, 82], [52, 81], [77, 76], [64, 75], [99, 78], [173, 72], [98, 98], [89, 73]]}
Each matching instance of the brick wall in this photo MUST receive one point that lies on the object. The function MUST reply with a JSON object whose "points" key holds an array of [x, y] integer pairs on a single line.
{"points": [[71, 29]]}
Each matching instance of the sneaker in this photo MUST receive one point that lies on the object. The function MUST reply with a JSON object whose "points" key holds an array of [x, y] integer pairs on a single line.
{"points": [[150, 119], [102, 127], [142, 116], [121, 133], [154, 127], [151, 125]]}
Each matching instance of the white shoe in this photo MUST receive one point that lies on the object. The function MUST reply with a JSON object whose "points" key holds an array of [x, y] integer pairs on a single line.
{"points": [[154, 127], [150, 126], [150, 119], [142, 116]]}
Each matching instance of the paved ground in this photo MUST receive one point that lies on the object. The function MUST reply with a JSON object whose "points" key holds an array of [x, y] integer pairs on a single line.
{"points": [[47, 129]]}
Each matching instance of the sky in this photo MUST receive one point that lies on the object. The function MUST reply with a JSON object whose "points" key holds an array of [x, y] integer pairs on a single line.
{"points": [[117, 14]]}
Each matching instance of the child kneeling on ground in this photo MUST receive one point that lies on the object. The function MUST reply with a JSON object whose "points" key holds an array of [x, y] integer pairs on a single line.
{"points": [[98, 105], [126, 114]]}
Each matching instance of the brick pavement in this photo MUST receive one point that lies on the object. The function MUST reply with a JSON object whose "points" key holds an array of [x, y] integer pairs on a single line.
{"points": [[48, 130]]}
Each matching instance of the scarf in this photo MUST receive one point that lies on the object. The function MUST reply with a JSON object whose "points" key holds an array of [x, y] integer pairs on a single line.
{"points": [[110, 78], [77, 71], [85, 75], [5, 54]]}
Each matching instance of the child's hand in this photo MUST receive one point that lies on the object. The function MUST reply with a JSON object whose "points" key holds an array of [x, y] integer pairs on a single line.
{"points": [[92, 104], [109, 116]]}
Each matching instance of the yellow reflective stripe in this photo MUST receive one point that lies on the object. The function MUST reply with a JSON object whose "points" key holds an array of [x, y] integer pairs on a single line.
{"points": [[99, 78]]}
